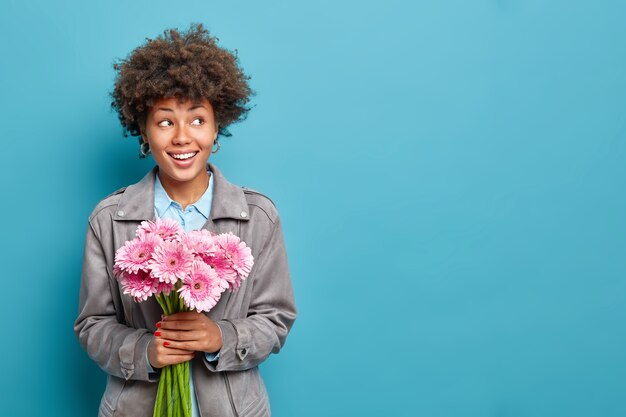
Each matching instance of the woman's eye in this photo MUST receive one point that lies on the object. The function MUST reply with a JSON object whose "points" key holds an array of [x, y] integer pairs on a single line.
{"points": [[165, 123], [197, 122]]}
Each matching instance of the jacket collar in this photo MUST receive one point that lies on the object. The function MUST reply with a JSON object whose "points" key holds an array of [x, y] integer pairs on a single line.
{"points": [[137, 202]]}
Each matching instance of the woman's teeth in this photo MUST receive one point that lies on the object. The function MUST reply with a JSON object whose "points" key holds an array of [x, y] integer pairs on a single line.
{"points": [[183, 155]]}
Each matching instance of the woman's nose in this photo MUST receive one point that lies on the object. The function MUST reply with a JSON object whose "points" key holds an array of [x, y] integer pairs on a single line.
{"points": [[181, 137]]}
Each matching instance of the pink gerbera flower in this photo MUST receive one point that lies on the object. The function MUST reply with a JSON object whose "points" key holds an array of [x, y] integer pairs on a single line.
{"points": [[213, 255], [163, 288], [140, 286], [171, 261], [239, 256], [117, 271], [135, 254], [217, 260], [199, 241], [202, 289], [167, 229]]}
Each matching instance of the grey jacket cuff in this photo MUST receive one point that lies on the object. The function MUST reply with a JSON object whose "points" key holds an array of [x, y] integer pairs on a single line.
{"points": [[133, 355], [230, 351]]}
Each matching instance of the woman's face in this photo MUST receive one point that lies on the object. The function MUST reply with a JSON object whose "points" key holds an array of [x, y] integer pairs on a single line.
{"points": [[181, 138]]}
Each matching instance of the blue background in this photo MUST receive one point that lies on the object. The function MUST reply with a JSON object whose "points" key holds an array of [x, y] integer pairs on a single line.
{"points": [[450, 175]]}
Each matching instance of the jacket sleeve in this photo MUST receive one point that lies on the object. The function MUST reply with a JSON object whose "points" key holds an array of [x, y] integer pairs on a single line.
{"points": [[118, 349], [246, 342]]}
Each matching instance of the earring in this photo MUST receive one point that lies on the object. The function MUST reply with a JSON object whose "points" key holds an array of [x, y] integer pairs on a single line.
{"points": [[218, 146], [144, 148]]}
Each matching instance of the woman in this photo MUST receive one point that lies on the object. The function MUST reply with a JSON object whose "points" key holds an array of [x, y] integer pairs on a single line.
{"points": [[178, 93]]}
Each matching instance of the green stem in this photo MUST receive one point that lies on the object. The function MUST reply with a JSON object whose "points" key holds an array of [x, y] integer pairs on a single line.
{"points": [[169, 306], [188, 388], [176, 395], [183, 388], [158, 406], [168, 385]]}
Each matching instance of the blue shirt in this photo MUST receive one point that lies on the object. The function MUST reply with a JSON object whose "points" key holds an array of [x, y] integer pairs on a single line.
{"points": [[192, 218]]}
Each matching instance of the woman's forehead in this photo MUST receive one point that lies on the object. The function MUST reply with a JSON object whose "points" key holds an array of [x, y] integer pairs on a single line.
{"points": [[175, 103]]}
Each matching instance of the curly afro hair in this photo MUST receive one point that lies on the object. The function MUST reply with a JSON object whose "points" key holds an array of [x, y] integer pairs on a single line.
{"points": [[186, 65]]}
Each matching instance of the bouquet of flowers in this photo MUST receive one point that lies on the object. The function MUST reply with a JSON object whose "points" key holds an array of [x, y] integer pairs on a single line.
{"points": [[184, 272]]}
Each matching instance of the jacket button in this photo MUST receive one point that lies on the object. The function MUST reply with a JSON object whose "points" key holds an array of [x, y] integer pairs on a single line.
{"points": [[244, 214], [242, 353], [127, 373], [120, 213]]}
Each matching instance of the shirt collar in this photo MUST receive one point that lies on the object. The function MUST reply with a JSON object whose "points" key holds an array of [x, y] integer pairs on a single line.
{"points": [[162, 200], [137, 200]]}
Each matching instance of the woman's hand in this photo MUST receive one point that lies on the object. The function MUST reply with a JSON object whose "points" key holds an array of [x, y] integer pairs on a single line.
{"points": [[179, 335]]}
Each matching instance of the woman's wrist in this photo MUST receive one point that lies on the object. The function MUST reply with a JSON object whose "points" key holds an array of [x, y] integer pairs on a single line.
{"points": [[215, 345]]}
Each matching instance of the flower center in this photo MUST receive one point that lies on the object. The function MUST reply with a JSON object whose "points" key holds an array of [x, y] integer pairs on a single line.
{"points": [[197, 286]]}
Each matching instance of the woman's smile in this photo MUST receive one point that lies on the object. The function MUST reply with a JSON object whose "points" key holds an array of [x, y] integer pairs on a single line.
{"points": [[181, 156], [183, 160]]}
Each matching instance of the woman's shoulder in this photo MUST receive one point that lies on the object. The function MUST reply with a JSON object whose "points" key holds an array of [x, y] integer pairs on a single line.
{"points": [[108, 203], [260, 206], [259, 201]]}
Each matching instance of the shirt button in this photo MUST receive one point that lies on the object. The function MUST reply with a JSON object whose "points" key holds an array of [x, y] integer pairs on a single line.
{"points": [[120, 213], [244, 214]]}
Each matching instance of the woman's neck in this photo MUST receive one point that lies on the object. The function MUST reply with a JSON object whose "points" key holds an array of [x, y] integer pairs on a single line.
{"points": [[185, 193]]}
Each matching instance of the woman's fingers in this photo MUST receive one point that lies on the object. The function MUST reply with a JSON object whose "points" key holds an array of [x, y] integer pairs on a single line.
{"points": [[174, 359], [181, 335], [177, 325], [184, 321], [200, 332], [167, 349], [184, 346], [189, 331], [186, 315], [162, 353]]}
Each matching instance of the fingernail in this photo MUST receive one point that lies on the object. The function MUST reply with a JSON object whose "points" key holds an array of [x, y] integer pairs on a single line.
{"points": [[166, 343], [162, 317], [157, 333], [158, 324]]}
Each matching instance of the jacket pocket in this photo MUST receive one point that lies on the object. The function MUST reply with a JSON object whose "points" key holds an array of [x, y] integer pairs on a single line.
{"points": [[111, 395], [259, 408], [105, 410], [247, 392]]}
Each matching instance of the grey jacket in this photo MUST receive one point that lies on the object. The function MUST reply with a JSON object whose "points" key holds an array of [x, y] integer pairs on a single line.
{"points": [[254, 320]]}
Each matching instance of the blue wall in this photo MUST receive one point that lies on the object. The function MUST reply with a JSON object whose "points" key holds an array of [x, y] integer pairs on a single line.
{"points": [[451, 177]]}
